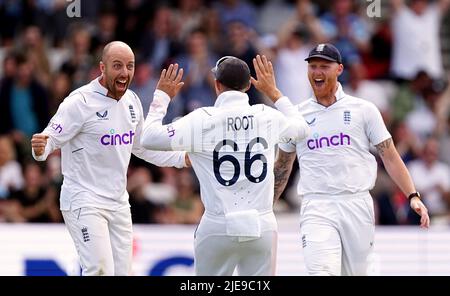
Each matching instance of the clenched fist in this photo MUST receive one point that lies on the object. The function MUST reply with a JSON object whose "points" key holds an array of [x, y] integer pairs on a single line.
{"points": [[38, 142]]}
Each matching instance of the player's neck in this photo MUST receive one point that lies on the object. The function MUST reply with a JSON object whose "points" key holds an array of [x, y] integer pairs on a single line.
{"points": [[109, 94], [327, 99]]}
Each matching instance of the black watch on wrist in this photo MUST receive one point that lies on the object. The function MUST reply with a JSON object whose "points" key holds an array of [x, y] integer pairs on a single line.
{"points": [[414, 194]]}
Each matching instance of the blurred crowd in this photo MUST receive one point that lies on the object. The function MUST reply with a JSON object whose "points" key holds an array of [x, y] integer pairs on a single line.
{"points": [[395, 59]]}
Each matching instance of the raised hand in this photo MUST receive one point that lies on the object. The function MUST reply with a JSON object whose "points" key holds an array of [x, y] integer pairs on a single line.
{"points": [[265, 78], [170, 80], [38, 143]]}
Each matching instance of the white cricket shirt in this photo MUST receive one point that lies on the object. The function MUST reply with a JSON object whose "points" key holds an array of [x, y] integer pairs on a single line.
{"points": [[97, 135], [335, 159], [231, 146]]}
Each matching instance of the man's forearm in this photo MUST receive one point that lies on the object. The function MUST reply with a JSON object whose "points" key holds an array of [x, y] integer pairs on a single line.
{"points": [[400, 175], [154, 134], [395, 166], [282, 171]]}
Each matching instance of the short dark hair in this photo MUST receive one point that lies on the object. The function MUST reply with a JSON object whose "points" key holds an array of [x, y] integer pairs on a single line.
{"points": [[232, 72]]}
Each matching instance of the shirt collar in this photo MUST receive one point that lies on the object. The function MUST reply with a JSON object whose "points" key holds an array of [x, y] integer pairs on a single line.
{"points": [[232, 98], [98, 87], [339, 94]]}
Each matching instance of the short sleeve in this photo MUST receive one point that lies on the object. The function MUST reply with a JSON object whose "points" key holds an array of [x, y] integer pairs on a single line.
{"points": [[287, 147], [375, 128]]}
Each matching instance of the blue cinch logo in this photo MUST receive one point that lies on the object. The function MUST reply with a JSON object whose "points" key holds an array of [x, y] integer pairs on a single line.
{"points": [[114, 139], [335, 140], [56, 126], [170, 130]]}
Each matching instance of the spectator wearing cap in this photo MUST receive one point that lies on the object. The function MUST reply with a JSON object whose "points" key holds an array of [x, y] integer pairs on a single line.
{"points": [[337, 170]]}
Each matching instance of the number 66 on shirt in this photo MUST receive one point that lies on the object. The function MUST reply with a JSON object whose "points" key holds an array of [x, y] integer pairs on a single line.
{"points": [[231, 146]]}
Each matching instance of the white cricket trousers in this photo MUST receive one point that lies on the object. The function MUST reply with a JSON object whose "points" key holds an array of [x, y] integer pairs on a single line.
{"points": [[218, 254], [337, 233], [103, 239]]}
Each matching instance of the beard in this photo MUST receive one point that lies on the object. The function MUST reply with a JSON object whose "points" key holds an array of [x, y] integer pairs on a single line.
{"points": [[117, 89]]}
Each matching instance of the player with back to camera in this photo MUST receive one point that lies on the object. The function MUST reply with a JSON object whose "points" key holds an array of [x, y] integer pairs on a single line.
{"points": [[97, 127], [337, 171], [231, 146]]}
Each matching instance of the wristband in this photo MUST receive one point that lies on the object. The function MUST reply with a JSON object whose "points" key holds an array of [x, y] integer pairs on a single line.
{"points": [[414, 194]]}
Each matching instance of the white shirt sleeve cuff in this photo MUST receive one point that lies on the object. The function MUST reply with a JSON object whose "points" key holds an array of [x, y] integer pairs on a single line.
{"points": [[287, 147], [162, 96], [38, 158]]}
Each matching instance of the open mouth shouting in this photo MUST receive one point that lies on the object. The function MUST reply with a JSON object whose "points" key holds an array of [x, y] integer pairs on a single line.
{"points": [[121, 84], [319, 82]]}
